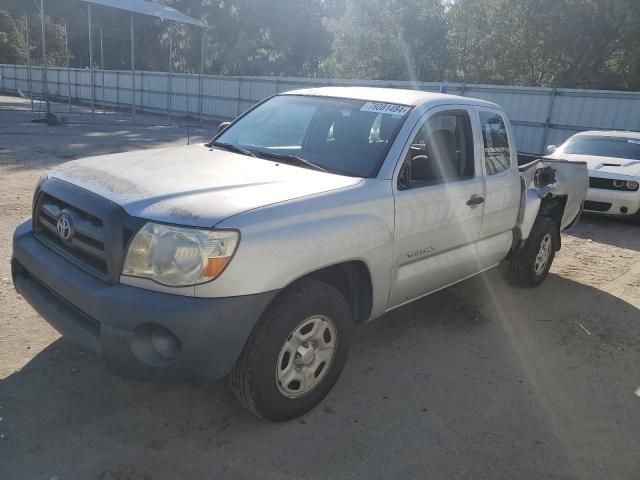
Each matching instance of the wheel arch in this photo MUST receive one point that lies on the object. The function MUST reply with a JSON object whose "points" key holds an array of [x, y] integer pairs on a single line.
{"points": [[553, 207], [352, 279]]}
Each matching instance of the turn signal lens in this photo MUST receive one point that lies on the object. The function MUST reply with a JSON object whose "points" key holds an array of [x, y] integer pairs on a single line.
{"points": [[215, 266]]}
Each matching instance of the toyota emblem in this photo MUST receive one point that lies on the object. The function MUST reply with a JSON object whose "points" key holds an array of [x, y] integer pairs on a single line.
{"points": [[64, 227]]}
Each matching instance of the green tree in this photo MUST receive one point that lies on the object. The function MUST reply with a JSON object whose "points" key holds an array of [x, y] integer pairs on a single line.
{"points": [[12, 45], [389, 39], [578, 43]]}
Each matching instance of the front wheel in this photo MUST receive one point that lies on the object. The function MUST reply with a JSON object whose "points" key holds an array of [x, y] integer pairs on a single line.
{"points": [[296, 354], [530, 265]]}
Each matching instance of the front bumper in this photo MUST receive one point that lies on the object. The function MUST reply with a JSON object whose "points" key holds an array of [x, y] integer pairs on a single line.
{"points": [[612, 202], [124, 325]]}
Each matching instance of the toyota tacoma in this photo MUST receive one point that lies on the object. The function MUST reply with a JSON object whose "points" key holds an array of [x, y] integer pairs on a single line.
{"points": [[255, 255]]}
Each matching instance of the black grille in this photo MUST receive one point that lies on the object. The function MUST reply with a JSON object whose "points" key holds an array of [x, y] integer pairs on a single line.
{"points": [[86, 245], [605, 183], [597, 206]]}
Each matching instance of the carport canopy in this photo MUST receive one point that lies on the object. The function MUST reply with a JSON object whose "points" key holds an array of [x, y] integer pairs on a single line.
{"points": [[141, 7], [147, 8]]}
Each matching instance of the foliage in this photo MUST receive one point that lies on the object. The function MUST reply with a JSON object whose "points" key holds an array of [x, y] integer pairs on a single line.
{"points": [[389, 39], [560, 43], [12, 46], [542, 42]]}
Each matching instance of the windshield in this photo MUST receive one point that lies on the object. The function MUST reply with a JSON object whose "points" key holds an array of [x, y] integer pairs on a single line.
{"points": [[615, 147], [342, 136]]}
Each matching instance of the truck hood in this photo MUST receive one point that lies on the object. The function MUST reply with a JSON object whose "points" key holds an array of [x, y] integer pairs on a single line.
{"points": [[606, 165], [196, 185]]}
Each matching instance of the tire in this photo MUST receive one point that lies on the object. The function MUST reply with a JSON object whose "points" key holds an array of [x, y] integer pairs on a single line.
{"points": [[264, 377], [530, 265]]}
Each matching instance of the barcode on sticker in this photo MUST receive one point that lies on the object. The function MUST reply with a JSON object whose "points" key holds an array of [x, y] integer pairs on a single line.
{"points": [[388, 108]]}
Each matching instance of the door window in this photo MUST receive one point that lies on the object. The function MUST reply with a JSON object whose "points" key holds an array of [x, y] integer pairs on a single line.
{"points": [[497, 154], [440, 152]]}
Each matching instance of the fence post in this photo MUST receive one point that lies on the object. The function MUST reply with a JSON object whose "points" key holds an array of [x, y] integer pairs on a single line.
{"points": [[239, 95], [141, 108], [547, 122]]}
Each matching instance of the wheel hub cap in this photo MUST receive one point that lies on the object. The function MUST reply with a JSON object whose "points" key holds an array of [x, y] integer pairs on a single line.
{"points": [[543, 254], [306, 356]]}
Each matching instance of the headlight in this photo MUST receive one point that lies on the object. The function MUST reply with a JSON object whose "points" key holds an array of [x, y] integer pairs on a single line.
{"points": [[177, 256], [619, 183], [632, 185]]}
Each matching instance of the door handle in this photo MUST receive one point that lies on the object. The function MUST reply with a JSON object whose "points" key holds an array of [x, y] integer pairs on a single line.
{"points": [[475, 200]]}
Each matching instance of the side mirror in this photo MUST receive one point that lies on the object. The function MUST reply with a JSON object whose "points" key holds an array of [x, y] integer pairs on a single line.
{"points": [[551, 149], [404, 177], [223, 126]]}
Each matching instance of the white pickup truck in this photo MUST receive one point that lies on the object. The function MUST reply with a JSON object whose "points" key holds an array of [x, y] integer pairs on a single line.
{"points": [[255, 255]]}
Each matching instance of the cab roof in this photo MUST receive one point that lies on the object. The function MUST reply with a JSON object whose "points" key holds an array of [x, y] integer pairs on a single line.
{"points": [[397, 96]]}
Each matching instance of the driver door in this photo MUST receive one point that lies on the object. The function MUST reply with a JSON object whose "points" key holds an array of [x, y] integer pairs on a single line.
{"points": [[439, 198]]}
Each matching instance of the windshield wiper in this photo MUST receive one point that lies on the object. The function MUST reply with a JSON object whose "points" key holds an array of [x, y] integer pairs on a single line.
{"points": [[233, 148], [291, 159]]}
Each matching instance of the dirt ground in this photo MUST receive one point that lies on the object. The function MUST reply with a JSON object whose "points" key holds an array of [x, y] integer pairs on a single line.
{"points": [[480, 381]]}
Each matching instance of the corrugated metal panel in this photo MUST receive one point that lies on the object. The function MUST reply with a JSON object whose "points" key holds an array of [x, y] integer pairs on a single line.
{"points": [[570, 110]]}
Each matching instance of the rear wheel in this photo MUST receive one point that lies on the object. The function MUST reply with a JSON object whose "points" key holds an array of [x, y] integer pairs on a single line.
{"points": [[296, 354], [530, 265]]}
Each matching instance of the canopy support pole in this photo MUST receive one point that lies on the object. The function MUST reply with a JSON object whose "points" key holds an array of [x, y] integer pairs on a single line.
{"points": [[133, 69], [66, 49], [45, 84], [93, 87], [201, 80], [26, 23], [102, 68], [170, 78]]}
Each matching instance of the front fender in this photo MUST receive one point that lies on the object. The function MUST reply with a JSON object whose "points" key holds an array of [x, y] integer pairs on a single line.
{"points": [[284, 242]]}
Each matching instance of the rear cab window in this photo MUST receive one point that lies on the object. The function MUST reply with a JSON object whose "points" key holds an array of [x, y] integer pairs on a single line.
{"points": [[497, 151]]}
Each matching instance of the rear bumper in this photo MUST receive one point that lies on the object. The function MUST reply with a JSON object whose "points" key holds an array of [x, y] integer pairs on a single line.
{"points": [[138, 333], [611, 202]]}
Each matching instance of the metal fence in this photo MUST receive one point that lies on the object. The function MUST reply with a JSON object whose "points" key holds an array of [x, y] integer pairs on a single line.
{"points": [[540, 116]]}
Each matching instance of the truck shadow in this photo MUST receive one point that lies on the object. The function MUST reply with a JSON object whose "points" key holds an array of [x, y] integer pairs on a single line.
{"points": [[473, 368]]}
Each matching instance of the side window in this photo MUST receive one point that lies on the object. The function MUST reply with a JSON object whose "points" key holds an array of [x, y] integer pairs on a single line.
{"points": [[440, 152], [497, 155]]}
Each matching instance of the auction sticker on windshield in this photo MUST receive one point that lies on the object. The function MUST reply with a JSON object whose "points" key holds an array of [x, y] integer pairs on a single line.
{"points": [[388, 108]]}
